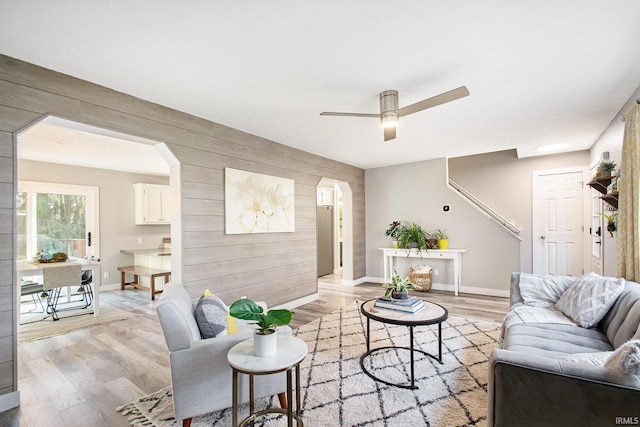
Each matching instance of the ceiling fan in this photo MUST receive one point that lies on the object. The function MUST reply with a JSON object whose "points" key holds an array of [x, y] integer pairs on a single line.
{"points": [[390, 113]]}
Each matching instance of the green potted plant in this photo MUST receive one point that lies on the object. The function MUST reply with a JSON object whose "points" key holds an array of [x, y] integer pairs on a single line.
{"points": [[398, 288], [432, 241], [393, 231], [611, 222], [606, 167], [412, 236], [443, 239], [265, 338]]}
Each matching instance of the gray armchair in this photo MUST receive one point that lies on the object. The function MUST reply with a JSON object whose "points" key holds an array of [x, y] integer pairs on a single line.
{"points": [[200, 375]]}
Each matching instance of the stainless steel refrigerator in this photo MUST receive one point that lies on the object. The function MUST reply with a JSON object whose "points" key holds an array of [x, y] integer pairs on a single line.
{"points": [[324, 221]]}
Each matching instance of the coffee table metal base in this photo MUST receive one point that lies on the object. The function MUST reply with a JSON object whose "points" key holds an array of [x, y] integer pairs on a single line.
{"points": [[412, 385]]}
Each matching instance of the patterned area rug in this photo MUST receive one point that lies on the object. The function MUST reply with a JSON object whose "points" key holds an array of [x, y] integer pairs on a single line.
{"points": [[336, 392]]}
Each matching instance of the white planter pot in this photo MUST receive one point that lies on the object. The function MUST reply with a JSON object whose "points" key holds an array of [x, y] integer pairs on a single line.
{"points": [[265, 345]]}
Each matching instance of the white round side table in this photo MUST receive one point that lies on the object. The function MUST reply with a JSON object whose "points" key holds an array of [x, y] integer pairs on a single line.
{"points": [[291, 351]]}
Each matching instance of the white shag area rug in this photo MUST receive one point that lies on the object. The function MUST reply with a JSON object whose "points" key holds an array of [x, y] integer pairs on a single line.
{"points": [[336, 392]]}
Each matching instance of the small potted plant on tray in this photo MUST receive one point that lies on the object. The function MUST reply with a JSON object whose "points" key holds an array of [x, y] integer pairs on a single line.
{"points": [[265, 338], [398, 288]]}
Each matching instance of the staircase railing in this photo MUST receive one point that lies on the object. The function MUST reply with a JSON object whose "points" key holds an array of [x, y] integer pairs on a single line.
{"points": [[486, 210]]}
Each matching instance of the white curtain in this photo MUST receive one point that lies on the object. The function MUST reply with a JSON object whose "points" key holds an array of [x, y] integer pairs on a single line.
{"points": [[629, 198]]}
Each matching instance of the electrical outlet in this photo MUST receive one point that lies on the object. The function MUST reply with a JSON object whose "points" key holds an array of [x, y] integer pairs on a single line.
{"points": [[139, 240], [106, 275], [436, 272]]}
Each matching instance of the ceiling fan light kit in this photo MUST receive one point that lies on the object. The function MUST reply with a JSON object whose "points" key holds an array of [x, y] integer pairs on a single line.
{"points": [[390, 113], [389, 116]]}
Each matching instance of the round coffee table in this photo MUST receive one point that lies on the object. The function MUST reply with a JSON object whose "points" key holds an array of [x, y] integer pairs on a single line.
{"points": [[291, 351], [431, 314]]}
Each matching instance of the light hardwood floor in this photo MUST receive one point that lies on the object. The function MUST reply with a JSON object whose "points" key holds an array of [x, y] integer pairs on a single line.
{"points": [[78, 379]]}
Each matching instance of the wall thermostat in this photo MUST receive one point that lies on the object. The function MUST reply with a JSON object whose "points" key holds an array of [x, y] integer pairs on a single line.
{"points": [[446, 208]]}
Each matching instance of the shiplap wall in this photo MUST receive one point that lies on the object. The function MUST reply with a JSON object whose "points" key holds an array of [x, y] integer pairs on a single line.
{"points": [[276, 268]]}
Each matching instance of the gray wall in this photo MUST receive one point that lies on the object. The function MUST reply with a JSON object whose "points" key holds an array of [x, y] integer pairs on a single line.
{"points": [[416, 192], [504, 182], [275, 267], [117, 210], [611, 141]]}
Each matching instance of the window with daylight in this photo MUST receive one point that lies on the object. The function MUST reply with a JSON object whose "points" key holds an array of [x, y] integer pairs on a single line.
{"points": [[57, 217]]}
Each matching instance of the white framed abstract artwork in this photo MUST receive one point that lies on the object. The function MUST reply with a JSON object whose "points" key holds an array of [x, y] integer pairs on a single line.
{"points": [[257, 203]]}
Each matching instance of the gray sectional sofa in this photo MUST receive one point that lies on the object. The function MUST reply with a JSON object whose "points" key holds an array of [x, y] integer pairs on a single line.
{"points": [[551, 371]]}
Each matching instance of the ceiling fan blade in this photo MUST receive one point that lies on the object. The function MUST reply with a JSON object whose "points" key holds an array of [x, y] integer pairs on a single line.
{"points": [[443, 98], [389, 133], [330, 113]]}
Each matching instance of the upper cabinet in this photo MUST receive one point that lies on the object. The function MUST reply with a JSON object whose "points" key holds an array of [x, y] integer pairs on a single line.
{"points": [[152, 204]]}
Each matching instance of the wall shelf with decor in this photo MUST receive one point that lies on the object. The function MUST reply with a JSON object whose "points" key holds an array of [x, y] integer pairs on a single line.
{"points": [[600, 184], [611, 198]]}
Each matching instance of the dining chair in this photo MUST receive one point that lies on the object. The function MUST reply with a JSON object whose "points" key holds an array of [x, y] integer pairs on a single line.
{"points": [[54, 278], [33, 289]]}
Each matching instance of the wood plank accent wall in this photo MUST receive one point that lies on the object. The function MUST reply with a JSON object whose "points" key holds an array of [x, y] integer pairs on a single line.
{"points": [[277, 268]]}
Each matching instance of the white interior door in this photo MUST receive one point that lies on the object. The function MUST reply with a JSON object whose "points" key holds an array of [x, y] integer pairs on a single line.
{"points": [[558, 223]]}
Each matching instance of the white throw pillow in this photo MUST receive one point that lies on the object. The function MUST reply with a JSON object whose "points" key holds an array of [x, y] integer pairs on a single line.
{"points": [[598, 358], [589, 299], [543, 291], [626, 358]]}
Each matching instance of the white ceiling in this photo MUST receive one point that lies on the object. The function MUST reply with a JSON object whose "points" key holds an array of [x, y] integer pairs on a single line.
{"points": [[539, 71]]}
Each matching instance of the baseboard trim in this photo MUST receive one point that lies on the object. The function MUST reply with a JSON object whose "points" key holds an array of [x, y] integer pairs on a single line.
{"points": [[110, 287], [371, 280], [300, 301], [472, 290], [9, 401], [355, 282], [446, 287]]}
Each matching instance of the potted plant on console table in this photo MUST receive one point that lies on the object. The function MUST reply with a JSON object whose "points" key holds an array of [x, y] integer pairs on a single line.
{"points": [[265, 338], [412, 236], [443, 239]]}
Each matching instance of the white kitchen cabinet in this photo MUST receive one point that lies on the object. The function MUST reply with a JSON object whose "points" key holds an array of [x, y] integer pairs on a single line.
{"points": [[152, 204]]}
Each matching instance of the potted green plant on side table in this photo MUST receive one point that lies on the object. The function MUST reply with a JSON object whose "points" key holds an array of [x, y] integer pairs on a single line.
{"points": [[265, 339]]}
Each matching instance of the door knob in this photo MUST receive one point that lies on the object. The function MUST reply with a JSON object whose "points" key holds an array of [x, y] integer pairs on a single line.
{"points": [[542, 237]]}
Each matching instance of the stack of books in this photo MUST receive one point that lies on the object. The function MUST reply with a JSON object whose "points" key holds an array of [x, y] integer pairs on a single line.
{"points": [[409, 305]]}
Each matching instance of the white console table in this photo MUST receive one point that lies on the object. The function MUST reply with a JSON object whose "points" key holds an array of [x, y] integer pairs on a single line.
{"points": [[455, 255]]}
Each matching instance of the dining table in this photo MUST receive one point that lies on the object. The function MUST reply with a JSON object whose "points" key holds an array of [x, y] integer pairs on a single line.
{"points": [[29, 268]]}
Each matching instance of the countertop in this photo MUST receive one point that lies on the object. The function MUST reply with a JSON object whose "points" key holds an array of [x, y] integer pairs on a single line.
{"points": [[151, 252]]}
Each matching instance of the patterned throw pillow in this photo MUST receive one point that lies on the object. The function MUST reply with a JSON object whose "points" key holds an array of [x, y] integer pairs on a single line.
{"points": [[211, 316], [543, 291], [589, 299], [626, 358]]}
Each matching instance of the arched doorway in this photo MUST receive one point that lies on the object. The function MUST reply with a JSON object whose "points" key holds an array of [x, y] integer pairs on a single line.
{"points": [[334, 222]]}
